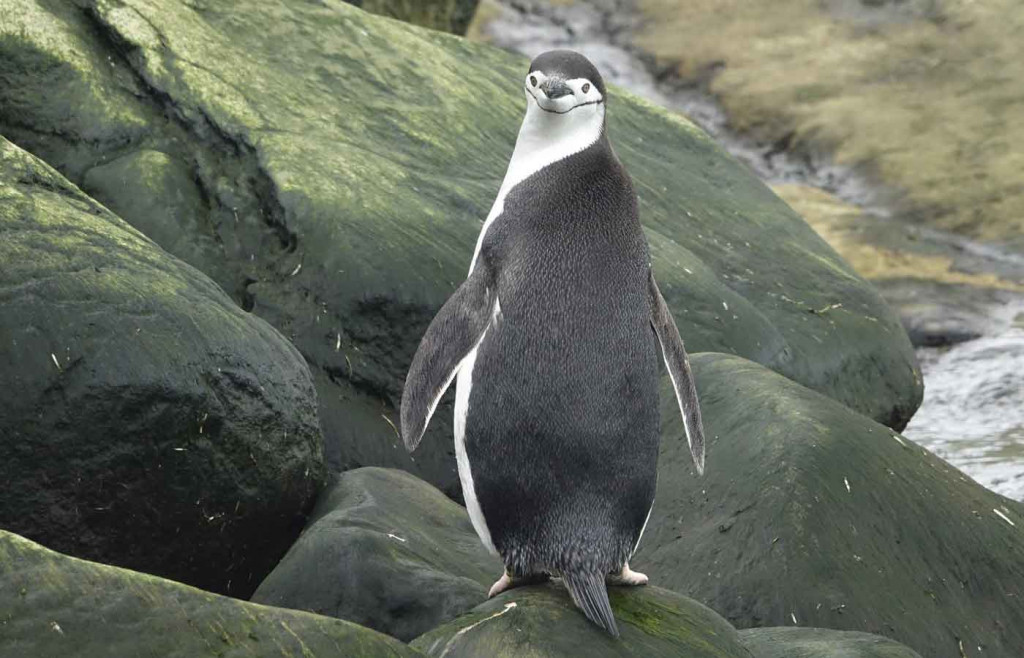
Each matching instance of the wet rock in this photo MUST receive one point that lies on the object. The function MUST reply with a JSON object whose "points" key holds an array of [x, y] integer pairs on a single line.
{"points": [[810, 514], [820, 643], [541, 621], [938, 315], [54, 605], [342, 182], [387, 551], [448, 15], [147, 420]]}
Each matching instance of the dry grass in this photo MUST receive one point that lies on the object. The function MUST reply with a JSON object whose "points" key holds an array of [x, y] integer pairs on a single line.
{"points": [[843, 227], [927, 96]]}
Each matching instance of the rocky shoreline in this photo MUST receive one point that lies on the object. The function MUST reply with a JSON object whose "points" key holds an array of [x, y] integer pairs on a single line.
{"points": [[948, 289], [219, 255]]}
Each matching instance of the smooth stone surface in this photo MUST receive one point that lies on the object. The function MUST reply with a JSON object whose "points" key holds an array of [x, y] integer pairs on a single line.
{"points": [[541, 621], [811, 514], [344, 178], [821, 643], [147, 421], [54, 605], [387, 551], [158, 195]]}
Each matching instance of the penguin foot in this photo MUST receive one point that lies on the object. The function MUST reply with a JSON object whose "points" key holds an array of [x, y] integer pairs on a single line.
{"points": [[503, 583], [627, 577], [508, 582]]}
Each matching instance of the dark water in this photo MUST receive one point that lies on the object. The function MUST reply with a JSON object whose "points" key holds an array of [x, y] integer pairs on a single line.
{"points": [[973, 411]]}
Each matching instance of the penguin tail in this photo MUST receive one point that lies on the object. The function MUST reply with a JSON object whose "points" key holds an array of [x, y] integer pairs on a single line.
{"points": [[590, 594]]}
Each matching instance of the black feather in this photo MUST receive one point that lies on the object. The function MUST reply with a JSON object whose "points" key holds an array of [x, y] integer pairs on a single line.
{"points": [[589, 593]]}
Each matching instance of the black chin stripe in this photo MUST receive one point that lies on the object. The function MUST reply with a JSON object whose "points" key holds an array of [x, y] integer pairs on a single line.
{"points": [[566, 111]]}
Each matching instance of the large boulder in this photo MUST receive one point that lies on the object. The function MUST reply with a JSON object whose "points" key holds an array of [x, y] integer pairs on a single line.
{"points": [[795, 642], [338, 184], [147, 421], [810, 514], [54, 605], [542, 621], [387, 551]]}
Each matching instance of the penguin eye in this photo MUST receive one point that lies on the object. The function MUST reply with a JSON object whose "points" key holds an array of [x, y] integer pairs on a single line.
{"points": [[586, 87], [533, 80]]}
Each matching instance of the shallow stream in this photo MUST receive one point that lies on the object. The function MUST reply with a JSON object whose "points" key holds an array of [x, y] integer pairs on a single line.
{"points": [[973, 410]]}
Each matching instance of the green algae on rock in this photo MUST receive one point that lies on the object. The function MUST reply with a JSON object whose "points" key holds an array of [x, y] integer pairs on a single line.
{"points": [[811, 514], [165, 204], [387, 551], [541, 621], [342, 181], [54, 605], [794, 642], [147, 421]]}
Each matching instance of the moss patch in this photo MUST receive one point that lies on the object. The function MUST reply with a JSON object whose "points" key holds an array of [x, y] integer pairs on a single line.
{"points": [[541, 620]]}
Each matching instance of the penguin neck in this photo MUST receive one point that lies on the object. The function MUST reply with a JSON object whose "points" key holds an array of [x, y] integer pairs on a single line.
{"points": [[545, 138]]}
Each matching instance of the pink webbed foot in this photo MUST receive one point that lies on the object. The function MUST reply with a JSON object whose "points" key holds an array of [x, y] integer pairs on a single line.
{"points": [[502, 584], [627, 577], [508, 582]]}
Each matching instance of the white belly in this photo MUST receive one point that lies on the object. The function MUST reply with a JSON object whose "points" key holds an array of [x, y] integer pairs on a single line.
{"points": [[463, 385]]}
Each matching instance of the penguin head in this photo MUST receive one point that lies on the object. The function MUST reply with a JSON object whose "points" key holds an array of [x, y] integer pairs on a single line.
{"points": [[565, 83]]}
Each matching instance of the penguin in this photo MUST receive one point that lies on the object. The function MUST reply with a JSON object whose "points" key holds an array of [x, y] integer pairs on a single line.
{"points": [[554, 340]]}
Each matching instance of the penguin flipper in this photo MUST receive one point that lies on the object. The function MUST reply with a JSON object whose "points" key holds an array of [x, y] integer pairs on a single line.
{"points": [[679, 371], [455, 331], [590, 594]]}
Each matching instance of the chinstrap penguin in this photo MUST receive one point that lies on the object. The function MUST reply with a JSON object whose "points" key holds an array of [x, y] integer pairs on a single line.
{"points": [[554, 340]]}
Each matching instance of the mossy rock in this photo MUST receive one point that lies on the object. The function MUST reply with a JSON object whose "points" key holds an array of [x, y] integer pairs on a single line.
{"points": [[813, 515], [166, 205], [147, 421], [387, 551], [54, 605], [821, 643], [541, 621], [448, 15], [342, 181]]}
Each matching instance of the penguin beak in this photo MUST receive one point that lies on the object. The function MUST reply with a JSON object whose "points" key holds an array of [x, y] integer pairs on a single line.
{"points": [[554, 88]]}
